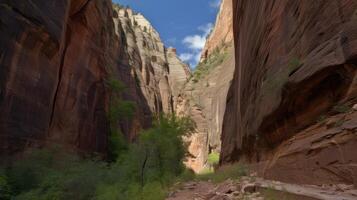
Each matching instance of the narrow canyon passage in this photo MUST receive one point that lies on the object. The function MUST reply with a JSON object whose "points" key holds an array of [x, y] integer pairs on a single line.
{"points": [[234, 99]]}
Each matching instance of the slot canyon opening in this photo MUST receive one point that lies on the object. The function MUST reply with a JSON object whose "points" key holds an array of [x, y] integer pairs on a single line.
{"points": [[303, 103]]}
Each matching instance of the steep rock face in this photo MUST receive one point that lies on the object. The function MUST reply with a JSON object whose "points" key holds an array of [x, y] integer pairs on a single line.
{"points": [[52, 72], [157, 70], [204, 101], [56, 60], [204, 96], [178, 73], [222, 32], [294, 65]]}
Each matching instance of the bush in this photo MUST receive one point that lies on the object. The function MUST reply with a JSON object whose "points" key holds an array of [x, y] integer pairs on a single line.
{"points": [[50, 174], [153, 191], [159, 153], [5, 191], [119, 109], [213, 158], [144, 170]]}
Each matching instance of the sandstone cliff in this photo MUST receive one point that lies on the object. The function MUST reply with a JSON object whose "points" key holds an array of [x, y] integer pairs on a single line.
{"points": [[289, 108], [157, 70], [222, 32], [55, 62], [52, 59], [204, 96]]}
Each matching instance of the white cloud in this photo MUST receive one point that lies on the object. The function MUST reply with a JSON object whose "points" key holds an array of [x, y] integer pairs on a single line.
{"points": [[195, 44], [215, 3], [195, 41], [186, 56]]}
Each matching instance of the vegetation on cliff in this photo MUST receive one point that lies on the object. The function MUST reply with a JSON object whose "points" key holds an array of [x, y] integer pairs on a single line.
{"points": [[218, 56]]}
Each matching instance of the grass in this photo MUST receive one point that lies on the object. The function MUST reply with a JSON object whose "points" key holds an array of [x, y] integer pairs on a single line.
{"points": [[234, 172]]}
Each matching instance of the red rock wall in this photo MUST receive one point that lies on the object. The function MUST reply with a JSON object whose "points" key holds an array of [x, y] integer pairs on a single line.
{"points": [[52, 71], [295, 61]]}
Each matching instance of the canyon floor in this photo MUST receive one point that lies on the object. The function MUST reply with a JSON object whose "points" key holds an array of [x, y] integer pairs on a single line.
{"points": [[253, 188]]}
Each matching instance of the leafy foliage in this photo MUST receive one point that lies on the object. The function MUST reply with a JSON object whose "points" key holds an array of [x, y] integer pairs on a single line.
{"points": [[5, 191], [119, 109], [143, 170], [213, 158]]}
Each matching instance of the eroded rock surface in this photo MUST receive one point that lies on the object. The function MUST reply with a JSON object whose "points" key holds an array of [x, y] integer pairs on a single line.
{"points": [[204, 96], [294, 66], [157, 70], [52, 73], [222, 32], [55, 62]]}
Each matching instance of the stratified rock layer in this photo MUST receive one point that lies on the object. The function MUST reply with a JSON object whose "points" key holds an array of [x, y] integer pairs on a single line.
{"points": [[157, 70], [296, 61], [204, 101]]}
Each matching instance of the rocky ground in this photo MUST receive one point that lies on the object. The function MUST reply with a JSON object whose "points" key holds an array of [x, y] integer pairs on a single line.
{"points": [[254, 188]]}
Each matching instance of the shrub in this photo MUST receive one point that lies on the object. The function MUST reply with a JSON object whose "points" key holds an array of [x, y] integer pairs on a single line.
{"points": [[5, 191], [144, 169], [115, 85], [108, 192], [213, 158], [163, 150], [153, 191], [50, 174], [120, 109], [117, 145]]}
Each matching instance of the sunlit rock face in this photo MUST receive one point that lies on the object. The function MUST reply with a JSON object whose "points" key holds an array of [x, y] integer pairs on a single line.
{"points": [[157, 70], [222, 33], [204, 96], [52, 70], [296, 67]]}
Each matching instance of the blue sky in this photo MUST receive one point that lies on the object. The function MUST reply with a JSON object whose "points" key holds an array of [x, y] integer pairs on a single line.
{"points": [[183, 24]]}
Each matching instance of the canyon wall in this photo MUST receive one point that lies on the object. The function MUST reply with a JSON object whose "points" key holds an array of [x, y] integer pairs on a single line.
{"points": [[157, 70], [222, 32], [52, 58], [290, 109], [204, 96], [56, 59]]}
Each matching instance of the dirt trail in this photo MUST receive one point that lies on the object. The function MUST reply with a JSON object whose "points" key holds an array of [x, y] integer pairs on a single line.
{"points": [[260, 189]]}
